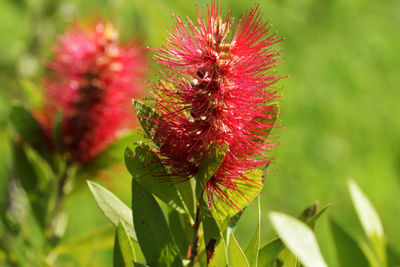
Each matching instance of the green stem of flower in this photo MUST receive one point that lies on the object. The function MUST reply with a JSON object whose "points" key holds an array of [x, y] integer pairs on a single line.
{"points": [[196, 229], [59, 197]]}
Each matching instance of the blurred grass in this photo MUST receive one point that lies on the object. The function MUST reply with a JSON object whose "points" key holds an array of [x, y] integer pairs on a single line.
{"points": [[340, 106]]}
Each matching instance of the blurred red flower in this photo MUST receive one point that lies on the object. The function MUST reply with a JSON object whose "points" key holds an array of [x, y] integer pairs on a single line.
{"points": [[93, 79], [217, 88]]}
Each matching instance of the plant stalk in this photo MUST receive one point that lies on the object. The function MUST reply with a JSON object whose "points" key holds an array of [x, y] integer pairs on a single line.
{"points": [[59, 197], [196, 229]]}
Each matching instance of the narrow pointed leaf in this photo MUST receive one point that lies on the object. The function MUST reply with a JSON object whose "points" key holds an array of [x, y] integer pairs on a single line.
{"points": [[348, 252], [208, 167], [124, 253], [57, 130], [146, 115], [369, 220], [245, 193], [254, 245], [25, 172], [186, 191], [113, 208], [308, 212], [214, 242], [298, 238], [311, 221], [269, 253], [236, 255], [273, 116], [366, 212], [153, 234], [27, 126], [147, 169], [181, 230]]}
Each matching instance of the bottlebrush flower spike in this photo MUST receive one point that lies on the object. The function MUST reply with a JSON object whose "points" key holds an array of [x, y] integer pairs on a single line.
{"points": [[92, 81], [217, 88]]}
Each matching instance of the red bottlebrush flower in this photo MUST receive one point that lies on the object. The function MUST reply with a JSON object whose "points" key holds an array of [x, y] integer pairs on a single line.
{"points": [[217, 88], [93, 80]]}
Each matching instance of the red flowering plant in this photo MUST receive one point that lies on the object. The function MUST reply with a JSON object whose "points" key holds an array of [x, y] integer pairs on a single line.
{"points": [[84, 119], [207, 125]]}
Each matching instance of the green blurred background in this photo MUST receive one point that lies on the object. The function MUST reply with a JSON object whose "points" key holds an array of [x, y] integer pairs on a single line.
{"points": [[340, 104]]}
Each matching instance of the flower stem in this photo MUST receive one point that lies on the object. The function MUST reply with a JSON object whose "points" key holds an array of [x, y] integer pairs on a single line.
{"points": [[59, 197], [196, 229]]}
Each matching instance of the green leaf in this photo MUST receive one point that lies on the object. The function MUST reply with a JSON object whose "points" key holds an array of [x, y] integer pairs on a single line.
{"points": [[288, 259], [393, 256], [254, 245], [245, 193], [186, 191], [136, 264], [213, 239], [236, 255], [298, 238], [348, 252], [311, 221], [152, 230], [268, 254], [181, 230], [308, 212], [369, 220], [33, 93], [272, 117], [27, 173], [57, 130], [208, 167], [147, 169], [124, 253], [144, 113], [113, 208], [28, 127]]}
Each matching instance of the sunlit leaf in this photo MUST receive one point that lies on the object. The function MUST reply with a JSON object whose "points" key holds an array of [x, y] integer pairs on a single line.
{"points": [[208, 167], [223, 209], [254, 245], [235, 253], [136, 264], [32, 91], [113, 208], [298, 238], [369, 220], [124, 253], [147, 169], [271, 119], [186, 191], [146, 115], [288, 259], [152, 230]]}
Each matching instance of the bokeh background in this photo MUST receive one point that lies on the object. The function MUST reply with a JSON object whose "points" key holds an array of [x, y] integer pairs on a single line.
{"points": [[340, 104]]}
